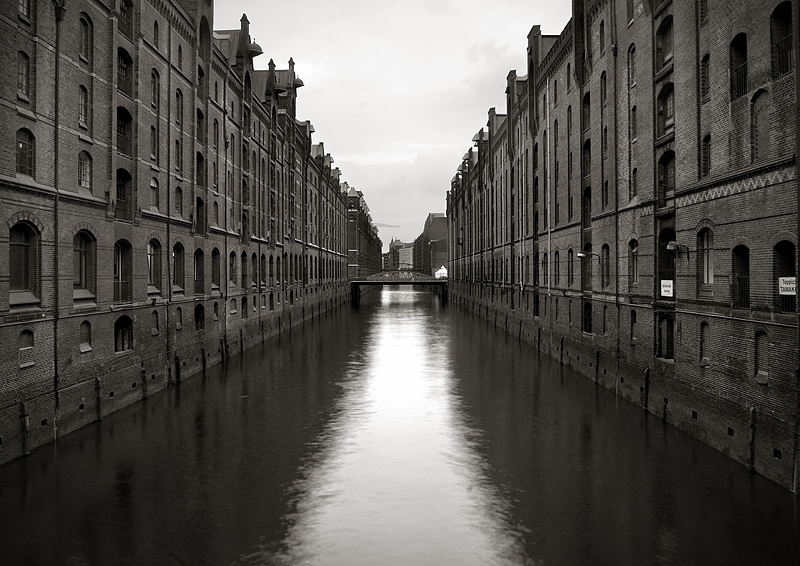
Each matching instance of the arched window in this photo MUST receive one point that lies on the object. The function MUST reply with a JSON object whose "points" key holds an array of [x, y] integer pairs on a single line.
{"points": [[153, 266], [569, 77], [271, 271], [26, 152], [633, 327], [545, 278], [666, 110], [125, 22], [178, 201], [179, 318], [83, 107], [232, 306], [738, 68], [603, 89], [85, 40], [83, 265], [245, 314], [154, 322], [665, 339], [783, 262], [759, 128], [25, 340], [180, 58], [633, 262], [85, 170], [123, 334], [254, 270], [664, 44], [23, 76], [124, 72], [602, 37], [781, 39], [178, 106], [178, 265], [631, 65], [587, 207], [215, 131], [555, 92], [263, 271], [124, 131], [245, 273], [199, 272], [85, 336], [705, 256], [178, 155], [199, 317], [587, 316], [123, 268], [155, 35], [216, 270], [666, 177], [215, 213], [154, 196], [232, 268], [124, 201], [155, 89], [23, 264], [605, 266], [200, 216], [740, 276]]}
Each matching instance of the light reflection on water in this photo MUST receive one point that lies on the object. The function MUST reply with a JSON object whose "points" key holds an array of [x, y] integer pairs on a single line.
{"points": [[396, 433], [398, 480]]}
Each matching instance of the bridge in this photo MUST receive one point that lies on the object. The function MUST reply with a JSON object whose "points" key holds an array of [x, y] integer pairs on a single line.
{"points": [[400, 276]]}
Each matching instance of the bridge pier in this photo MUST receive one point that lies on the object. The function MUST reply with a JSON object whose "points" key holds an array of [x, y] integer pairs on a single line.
{"points": [[355, 294]]}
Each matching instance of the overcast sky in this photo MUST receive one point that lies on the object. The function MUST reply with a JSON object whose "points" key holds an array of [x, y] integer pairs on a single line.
{"points": [[396, 90]]}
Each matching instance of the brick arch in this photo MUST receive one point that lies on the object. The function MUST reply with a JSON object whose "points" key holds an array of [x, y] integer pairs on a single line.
{"points": [[155, 236], [703, 224], [781, 236], [633, 236], [26, 216], [741, 240], [84, 226]]}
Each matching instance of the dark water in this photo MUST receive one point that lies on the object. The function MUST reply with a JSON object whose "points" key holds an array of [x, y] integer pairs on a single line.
{"points": [[399, 434]]}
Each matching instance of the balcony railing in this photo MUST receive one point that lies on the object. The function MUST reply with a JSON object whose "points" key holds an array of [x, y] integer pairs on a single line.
{"points": [[739, 81], [741, 291]]}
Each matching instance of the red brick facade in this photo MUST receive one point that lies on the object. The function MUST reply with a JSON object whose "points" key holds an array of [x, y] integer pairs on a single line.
{"points": [[658, 140], [163, 206]]}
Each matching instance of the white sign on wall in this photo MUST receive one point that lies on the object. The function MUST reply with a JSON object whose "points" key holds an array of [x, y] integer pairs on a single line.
{"points": [[787, 285], [666, 287]]}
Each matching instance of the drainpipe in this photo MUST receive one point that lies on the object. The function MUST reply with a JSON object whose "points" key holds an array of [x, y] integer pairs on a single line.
{"points": [[547, 189], [59, 12], [614, 41], [796, 47], [168, 285]]}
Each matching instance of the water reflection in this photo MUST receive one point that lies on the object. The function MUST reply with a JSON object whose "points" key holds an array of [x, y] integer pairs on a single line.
{"points": [[396, 433], [398, 479]]}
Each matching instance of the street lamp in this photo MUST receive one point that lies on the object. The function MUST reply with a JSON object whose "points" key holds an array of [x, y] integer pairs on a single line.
{"points": [[584, 255], [675, 246]]}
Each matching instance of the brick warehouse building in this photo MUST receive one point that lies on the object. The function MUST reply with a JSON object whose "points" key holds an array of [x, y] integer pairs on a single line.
{"points": [[654, 250], [164, 208]]}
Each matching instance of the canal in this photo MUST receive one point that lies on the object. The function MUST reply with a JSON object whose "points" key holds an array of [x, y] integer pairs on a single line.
{"points": [[397, 433]]}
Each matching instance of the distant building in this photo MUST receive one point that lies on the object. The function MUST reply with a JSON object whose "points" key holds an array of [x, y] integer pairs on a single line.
{"points": [[363, 244], [430, 247]]}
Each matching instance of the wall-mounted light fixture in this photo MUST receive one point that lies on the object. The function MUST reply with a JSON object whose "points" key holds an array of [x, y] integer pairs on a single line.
{"points": [[676, 247]]}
